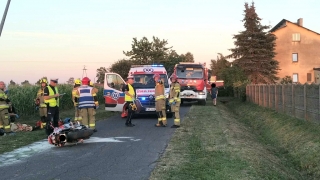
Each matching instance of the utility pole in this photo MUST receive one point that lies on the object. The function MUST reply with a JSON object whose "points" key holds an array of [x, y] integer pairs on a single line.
{"points": [[84, 71], [4, 16]]}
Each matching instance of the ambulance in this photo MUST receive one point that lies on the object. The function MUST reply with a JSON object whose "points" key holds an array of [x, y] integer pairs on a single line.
{"points": [[144, 85]]}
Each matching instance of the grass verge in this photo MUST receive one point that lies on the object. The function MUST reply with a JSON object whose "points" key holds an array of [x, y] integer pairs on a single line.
{"points": [[296, 140], [213, 143], [9, 143]]}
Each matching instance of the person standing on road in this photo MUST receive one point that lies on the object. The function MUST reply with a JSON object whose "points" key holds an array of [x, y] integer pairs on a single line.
{"points": [[88, 102], [174, 100], [214, 93], [130, 95], [75, 97], [51, 98], [160, 101], [40, 104]]}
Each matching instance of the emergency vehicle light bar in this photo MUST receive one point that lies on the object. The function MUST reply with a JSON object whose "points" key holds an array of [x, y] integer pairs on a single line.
{"points": [[154, 65]]}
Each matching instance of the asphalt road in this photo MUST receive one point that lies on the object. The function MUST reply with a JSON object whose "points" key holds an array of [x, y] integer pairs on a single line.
{"points": [[115, 152]]}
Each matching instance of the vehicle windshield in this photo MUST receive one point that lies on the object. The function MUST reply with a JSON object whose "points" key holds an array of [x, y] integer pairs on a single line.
{"points": [[146, 81], [190, 72]]}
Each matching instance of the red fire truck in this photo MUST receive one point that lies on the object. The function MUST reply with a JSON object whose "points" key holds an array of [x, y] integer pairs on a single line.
{"points": [[194, 81]]}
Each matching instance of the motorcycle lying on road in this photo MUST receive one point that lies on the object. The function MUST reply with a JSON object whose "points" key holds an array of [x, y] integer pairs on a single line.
{"points": [[68, 132]]}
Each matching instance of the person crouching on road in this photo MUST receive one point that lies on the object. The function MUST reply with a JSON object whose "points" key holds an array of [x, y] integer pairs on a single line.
{"points": [[214, 93], [40, 104], [130, 94], [51, 97], [75, 97], [88, 102], [175, 100], [160, 102]]}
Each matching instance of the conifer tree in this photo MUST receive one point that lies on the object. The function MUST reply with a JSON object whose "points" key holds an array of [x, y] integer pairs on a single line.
{"points": [[254, 51]]}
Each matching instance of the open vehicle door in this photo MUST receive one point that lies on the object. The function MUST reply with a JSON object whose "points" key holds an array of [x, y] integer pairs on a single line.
{"points": [[114, 97]]}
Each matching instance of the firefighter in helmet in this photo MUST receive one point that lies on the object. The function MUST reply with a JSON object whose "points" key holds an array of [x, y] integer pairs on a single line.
{"points": [[95, 89], [77, 84], [87, 103], [40, 104], [160, 101], [174, 100], [4, 113]]}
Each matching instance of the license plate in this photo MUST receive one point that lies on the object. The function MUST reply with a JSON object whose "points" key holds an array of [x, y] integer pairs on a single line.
{"points": [[150, 109]]}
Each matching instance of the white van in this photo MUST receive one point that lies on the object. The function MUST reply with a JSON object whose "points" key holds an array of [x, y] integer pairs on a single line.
{"points": [[144, 85]]}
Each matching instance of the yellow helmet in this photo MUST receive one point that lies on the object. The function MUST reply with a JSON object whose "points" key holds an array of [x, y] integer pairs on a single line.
{"points": [[91, 83], [77, 81], [43, 81]]}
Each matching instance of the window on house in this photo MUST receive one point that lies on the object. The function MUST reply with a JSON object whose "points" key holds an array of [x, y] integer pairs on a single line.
{"points": [[294, 57], [308, 77], [296, 37], [295, 77]]}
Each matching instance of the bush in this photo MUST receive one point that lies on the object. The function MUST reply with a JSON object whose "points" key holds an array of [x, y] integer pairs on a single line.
{"points": [[225, 91]]}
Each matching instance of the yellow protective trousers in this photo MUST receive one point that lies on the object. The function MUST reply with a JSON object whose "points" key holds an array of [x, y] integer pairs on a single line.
{"points": [[88, 117]]}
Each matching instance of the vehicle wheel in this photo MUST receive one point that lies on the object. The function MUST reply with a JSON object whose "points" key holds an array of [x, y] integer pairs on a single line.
{"points": [[169, 115], [202, 102], [182, 101]]}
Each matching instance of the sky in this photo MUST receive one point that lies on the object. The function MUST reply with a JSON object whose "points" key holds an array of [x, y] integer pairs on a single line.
{"points": [[58, 38]]}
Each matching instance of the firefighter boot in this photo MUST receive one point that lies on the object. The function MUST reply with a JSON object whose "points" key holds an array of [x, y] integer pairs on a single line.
{"points": [[43, 122], [160, 123], [128, 121], [176, 120]]}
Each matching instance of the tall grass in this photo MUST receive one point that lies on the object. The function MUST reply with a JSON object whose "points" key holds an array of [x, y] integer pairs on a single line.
{"points": [[22, 98]]}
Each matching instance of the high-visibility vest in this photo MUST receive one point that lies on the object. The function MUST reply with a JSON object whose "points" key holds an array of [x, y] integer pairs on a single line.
{"points": [[3, 103], [131, 91], [53, 102], [86, 99]]}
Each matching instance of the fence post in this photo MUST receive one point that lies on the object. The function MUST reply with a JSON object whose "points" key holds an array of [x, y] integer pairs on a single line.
{"points": [[305, 100], [247, 93], [275, 97], [251, 93], [293, 101], [264, 96], [269, 98], [259, 94], [283, 99], [254, 96], [319, 103]]}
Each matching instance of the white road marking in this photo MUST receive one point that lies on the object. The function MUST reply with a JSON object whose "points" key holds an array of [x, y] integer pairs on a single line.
{"points": [[27, 151]]}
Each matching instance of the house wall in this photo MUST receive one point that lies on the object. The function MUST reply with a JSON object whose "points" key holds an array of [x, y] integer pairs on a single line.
{"points": [[308, 50]]}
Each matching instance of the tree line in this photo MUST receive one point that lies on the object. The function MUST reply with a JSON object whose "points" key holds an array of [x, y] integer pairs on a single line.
{"points": [[146, 52], [253, 56]]}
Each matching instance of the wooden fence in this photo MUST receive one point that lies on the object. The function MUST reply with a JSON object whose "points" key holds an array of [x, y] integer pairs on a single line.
{"points": [[300, 101]]}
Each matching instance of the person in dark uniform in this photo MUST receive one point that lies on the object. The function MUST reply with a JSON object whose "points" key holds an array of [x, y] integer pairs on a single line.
{"points": [[51, 98], [130, 95]]}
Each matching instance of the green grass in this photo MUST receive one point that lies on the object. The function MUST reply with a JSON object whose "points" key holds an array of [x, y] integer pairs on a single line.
{"points": [[215, 143], [292, 139], [9, 143]]}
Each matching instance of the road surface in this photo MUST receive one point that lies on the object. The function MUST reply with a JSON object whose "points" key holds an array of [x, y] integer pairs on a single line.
{"points": [[115, 152]]}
